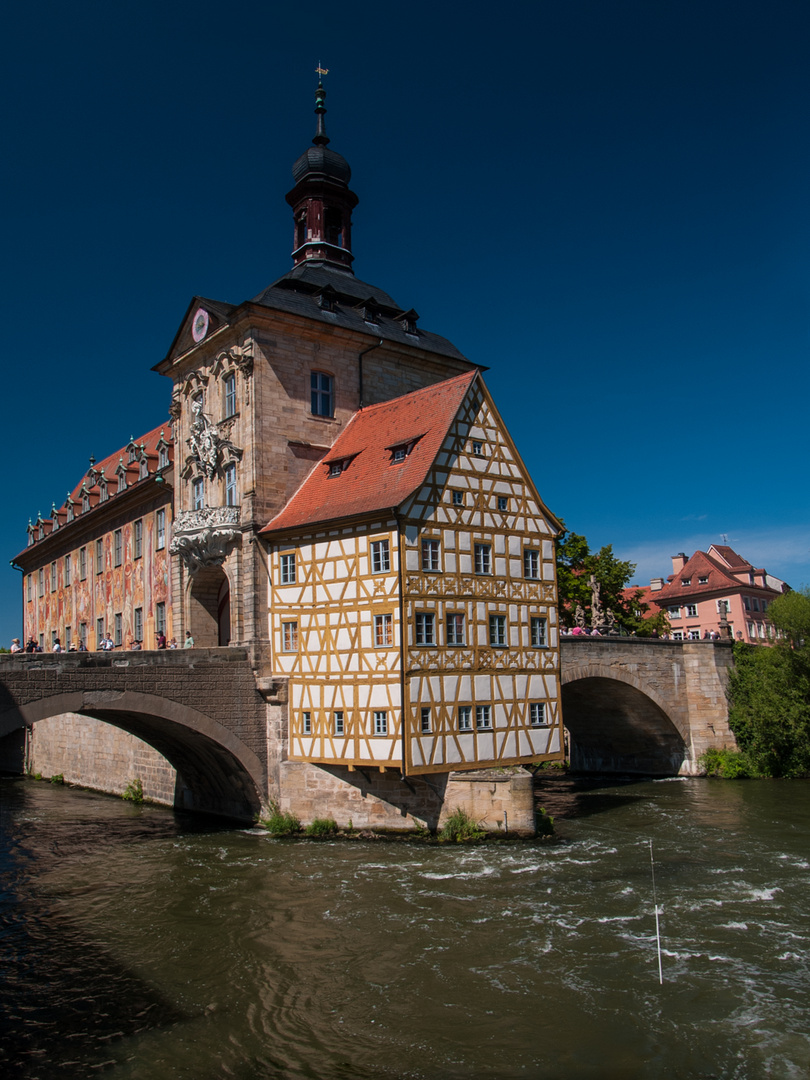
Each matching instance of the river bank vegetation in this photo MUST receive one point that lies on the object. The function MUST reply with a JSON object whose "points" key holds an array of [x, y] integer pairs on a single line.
{"points": [[769, 699]]}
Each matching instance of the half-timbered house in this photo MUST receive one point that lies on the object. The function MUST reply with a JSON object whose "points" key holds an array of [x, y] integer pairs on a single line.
{"points": [[412, 598]]}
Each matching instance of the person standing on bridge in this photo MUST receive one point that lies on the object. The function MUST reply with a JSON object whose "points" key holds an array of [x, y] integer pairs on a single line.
{"points": [[15, 645], [189, 642]]}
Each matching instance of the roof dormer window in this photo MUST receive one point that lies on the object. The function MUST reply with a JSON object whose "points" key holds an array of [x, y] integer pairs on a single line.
{"points": [[143, 467], [70, 511], [686, 581], [132, 451], [85, 502], [408, 320], [335, 468], [703, 579], [371, 311], [327, 299], [103, 493]]}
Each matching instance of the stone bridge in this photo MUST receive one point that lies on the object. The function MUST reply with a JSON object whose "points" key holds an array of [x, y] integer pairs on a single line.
{"points": [[200, 708], [639, 705], [629, 705]]}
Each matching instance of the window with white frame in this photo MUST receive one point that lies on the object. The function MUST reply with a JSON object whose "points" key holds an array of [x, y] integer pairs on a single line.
{"points": [[477, 448], [322, 398], [160, 529], [287, 568], [118, 622], [677, 635], [723, 606], [68, 636], [160, 617], [380, 557], [137, 624], [338, 726], [163, 456], [306, 723], [41, 584], [424, 721], [83, 564], [483, 717], [755, 603], [229, 384], [674, 612], [531, 563], [455, 628], [482, 558], [118, 547], [430, 554], [458, 498], [197, 493], [537, 713], [686, 581], [747, 603], [465, 718], [693, 634], [230, 484], [137, 539], [83, 634], [53, 577], [497, 631], [380, 722], [703, 579], [425, 628], [383, 630], [289, 636], [99, 556], [691, 611], [99, 631], [29, 587], [539, 635], [143, 467], [67, 570]]}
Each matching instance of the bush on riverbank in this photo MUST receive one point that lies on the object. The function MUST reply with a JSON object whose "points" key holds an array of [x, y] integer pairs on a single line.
{"points": [[281, 822], [728, 764], [460, 827], [769, 693], [321, 827]]}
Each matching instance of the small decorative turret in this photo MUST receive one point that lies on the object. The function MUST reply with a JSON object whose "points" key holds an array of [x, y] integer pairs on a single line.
{"points": [[321, 200]]}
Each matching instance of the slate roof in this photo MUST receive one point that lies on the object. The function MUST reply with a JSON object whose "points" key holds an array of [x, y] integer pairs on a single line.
{"points": [[370, 481], [298, 292]]}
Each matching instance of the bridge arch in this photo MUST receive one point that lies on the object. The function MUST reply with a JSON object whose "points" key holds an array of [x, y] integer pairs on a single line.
{"points": [[220, 774], [617, 722]]}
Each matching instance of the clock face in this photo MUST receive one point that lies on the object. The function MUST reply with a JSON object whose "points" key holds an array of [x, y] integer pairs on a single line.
{"points": [[199, 324]]}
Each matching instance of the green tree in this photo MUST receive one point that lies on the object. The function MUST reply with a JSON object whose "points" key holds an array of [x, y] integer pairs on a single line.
{"points": [[769, 692], [577, 564]]}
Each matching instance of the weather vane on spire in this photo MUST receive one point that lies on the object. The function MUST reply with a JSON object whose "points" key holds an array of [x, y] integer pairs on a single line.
{"points": [[321, 70]]}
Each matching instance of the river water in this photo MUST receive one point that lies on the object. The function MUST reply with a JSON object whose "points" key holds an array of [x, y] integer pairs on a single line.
{"points": [[136, 943]]}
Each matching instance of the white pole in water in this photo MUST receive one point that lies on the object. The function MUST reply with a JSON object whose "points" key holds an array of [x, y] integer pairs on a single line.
{"points": [[657, 927]]}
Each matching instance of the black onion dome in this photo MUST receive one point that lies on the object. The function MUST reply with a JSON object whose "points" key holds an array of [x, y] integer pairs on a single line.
{"points": [[321, 161]]}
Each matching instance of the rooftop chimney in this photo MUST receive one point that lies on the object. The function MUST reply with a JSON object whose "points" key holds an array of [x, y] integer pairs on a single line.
{"points": [[679, 561], [656, 583]]}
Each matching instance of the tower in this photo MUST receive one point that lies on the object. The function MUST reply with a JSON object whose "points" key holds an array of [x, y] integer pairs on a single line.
{"points": [[321, 200]]}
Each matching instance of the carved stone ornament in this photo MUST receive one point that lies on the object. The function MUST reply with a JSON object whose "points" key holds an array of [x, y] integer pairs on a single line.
{"points": [[203, 537], [206, 444]]}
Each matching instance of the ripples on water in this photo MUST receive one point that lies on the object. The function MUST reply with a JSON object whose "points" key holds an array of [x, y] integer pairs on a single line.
{"points": [[136, 944]]}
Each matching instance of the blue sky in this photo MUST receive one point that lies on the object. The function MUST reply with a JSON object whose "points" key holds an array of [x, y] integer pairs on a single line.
{"points": [[604, 202]]}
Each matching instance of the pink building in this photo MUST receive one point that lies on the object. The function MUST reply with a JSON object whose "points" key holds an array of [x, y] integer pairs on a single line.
{"points": [[699, 587]]}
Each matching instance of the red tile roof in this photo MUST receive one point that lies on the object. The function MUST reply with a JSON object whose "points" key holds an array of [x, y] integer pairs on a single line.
{"points": [[719, 577], [370, 481], [107, 467], [730, 557], [647, 597]]}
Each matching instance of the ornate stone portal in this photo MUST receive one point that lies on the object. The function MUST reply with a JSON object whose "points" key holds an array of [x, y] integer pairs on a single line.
{"points": [[202, 537]]}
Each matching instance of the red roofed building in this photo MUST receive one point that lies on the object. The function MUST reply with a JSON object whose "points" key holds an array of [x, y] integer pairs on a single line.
{"points": [[99, 563], [413, 593], [345, 501], [703, 587]]}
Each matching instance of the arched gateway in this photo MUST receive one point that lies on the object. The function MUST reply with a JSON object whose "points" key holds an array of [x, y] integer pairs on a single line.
{"points": [[201, 710]]}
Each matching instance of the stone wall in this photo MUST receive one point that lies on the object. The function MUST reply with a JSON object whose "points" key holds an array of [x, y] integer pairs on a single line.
{"points": [[96, 755], [370, 799]]}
